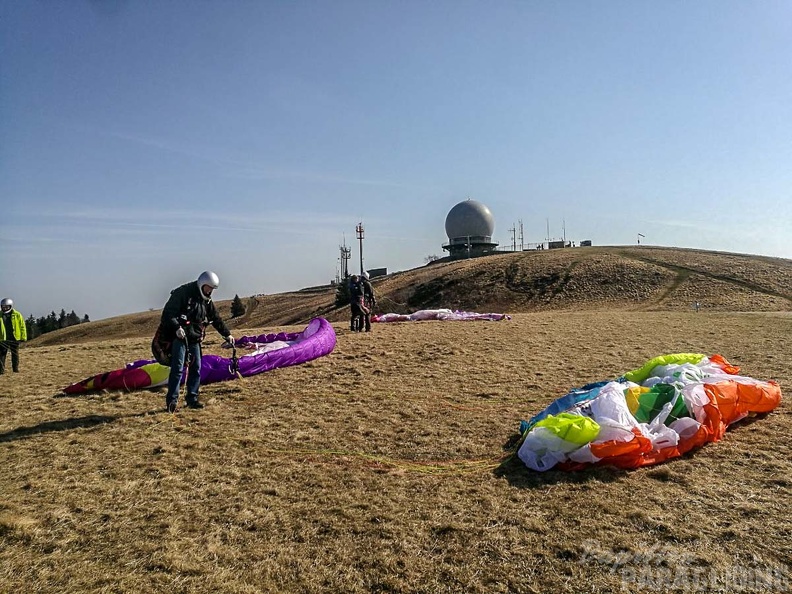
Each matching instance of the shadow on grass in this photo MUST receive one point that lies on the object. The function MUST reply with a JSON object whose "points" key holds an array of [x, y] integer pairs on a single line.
{"points": [[112, 393], [64, 425], [520, 476]]}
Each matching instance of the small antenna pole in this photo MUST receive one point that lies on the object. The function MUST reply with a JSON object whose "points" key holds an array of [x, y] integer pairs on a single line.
{"points": [[360, 236]]}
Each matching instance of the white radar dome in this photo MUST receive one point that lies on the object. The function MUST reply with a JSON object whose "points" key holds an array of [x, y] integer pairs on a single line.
{"points": [[469, 219]]}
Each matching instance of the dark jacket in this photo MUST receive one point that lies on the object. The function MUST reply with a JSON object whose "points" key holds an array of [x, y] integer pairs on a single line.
{"points": [[368, 293], [356, 291], [187, 308]]}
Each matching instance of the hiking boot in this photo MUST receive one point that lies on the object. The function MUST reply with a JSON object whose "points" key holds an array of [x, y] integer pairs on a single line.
{"points": [[192, 402], [171, 406]]}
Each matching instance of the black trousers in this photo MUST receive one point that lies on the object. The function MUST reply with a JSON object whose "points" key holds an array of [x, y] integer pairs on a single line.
{"points": [[5, 346], [358, 318]]}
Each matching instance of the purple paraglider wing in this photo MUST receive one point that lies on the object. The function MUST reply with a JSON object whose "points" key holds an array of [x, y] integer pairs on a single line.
{"points": [[270, 352], [318, 339]]}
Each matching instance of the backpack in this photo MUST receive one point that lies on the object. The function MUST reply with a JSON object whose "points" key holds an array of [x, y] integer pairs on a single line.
{"points": [[161, 347]]}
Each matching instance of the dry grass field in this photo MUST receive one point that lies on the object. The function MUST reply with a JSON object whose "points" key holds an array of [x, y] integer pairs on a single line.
{"points": [[385, 466]]}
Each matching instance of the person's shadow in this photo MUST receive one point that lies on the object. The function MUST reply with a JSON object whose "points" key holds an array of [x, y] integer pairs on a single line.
{"points": [[64, 425]]}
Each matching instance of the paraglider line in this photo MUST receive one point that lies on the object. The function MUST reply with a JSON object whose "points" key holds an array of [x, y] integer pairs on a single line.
{"points": [[438, 467]]}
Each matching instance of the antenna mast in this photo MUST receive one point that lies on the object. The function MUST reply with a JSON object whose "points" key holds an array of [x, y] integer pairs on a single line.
{"points": [[360, 235], [522, 237], [346, 254]]}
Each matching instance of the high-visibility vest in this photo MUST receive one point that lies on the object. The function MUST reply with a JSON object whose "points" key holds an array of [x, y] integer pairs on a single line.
{"points": [[18, 325]]}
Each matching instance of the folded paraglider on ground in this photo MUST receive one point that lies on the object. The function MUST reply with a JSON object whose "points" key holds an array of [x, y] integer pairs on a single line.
{"points": [[445, 315], [671, 405]]}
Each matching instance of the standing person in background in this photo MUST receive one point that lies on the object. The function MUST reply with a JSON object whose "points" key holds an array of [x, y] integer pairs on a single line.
{"points": [[12, 332], [369, 301], [184, 319], [356, 303]]}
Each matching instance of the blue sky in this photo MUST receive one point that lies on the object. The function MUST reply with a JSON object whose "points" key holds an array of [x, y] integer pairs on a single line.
{"points": [[142, 142]]}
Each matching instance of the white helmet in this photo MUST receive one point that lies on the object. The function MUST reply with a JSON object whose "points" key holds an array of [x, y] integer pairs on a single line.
{"points": [[365, 274], [208, 278], [7, 301]]}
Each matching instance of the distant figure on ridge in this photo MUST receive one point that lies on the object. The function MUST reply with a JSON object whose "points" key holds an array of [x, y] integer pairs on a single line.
{"points": [[12, 332], [184, 319], [357, 307], [369, 301]]}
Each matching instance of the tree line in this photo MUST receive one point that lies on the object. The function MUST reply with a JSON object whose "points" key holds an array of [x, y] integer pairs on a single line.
{"points": [[38, 326]]}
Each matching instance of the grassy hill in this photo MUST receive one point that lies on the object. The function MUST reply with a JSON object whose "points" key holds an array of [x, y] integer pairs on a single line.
{"points": [[631, 278], [385, 466]]}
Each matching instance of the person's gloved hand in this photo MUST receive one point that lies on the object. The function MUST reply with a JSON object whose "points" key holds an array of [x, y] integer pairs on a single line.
{"points": [[180, 333], [230, 340]]}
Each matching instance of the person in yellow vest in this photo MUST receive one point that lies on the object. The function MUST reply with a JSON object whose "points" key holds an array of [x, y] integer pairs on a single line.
{"points": [[12, 332]]}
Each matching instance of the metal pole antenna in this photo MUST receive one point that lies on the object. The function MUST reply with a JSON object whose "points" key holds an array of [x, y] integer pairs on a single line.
{"points": [[346, 254], [360, 235], [522, 238]]}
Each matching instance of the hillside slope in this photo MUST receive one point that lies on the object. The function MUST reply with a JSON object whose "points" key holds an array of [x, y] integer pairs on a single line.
{"points": [[632, 278]]}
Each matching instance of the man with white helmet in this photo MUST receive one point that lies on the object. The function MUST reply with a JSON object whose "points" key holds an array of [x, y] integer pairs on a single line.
{"points": [[369, 301], [12, 332], [184, 319]]}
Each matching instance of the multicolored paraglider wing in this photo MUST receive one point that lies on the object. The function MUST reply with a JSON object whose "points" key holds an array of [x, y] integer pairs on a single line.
{"points": [[268, 351], [439, 314], [667, 407], [141, 374]]}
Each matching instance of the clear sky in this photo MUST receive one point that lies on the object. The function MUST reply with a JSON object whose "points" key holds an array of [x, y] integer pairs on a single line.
{"points": [[142, 142]]}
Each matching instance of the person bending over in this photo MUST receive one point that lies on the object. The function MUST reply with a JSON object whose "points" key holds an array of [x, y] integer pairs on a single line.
{"points": [[186, 315]]}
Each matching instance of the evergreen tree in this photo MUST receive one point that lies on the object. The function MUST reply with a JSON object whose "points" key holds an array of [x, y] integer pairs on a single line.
{"points": [[62, 319], [32, 328], [51, 322], [72, 319], [237, 308], [342, 296], [85, 319]]}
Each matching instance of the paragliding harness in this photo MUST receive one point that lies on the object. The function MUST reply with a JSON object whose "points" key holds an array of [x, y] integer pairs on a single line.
{"points": [[161, 347], [234, 366]]}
